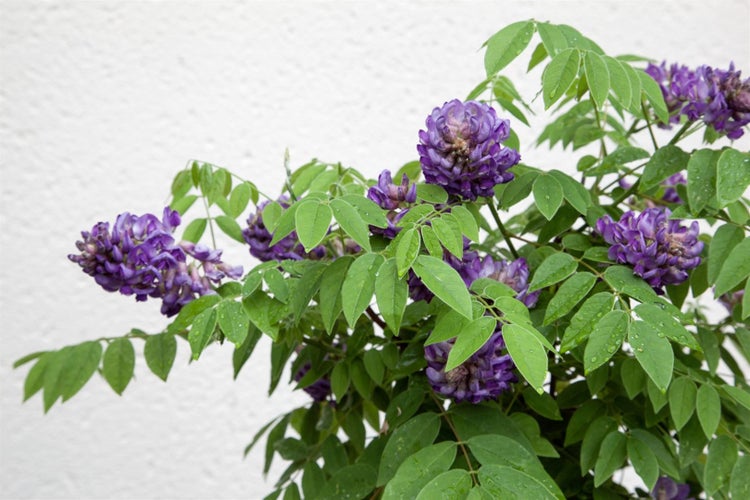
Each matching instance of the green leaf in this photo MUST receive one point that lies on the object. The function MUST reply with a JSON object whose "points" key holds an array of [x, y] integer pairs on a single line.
{"points": [[118, 363], [701, 187], [502, 481], [732, 176], [431, 193], [78, 367], [623, 280], [352, 223], [506, 45], [449, 235], [407, 249], [742, 396], [340, 380], [271, 215], [518, 190], [391, 293], [722, 455], [352, 482], [576, 194], [264, 312], [682, 400], [581, 420], [242, 353], [194, 230], [466, 222], [666, 161], [633, 377], [447, 326], [368, 210], [475, 420], [739, 485], [415, 434], [329, 299], [374, 365], [29, 357], [359, 285], [239, 198], [559, 75], [708, 409], [553, 39], [181, 184], [470, 339], [653, 352], [612, 454], [654, 96], [735, 268], [454, 484], [592, 441], [202, 331], [543, 404], [445, 282], [644, 462], [725, 239], [665, 324], [582, 323], [528, 354], [548, 195], [597, 77], [431, 242], [233, 321], [619, 81], [568, 295], [183, 204], [230, 227], [160, 351], [419, 469], [312, 220], [555, 268], [605, 339]]}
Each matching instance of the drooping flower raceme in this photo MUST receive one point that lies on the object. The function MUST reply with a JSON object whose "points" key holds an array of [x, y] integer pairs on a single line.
{"points": [[259, 238], [484, 376], [461, 149], [660, 250], [718, 97], [489, 371], [392, 197], [140, 257]]}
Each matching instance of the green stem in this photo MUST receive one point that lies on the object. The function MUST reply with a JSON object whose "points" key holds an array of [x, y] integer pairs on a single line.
{"points": [[648, 124], [209, 220], [502, 229], [679, 133]]}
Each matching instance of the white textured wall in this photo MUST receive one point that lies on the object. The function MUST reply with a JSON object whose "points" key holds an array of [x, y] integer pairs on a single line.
{"points": [[102, 102]]}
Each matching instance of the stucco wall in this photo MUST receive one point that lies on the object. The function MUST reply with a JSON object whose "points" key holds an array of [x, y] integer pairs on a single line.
{"points": [[102, 102]]}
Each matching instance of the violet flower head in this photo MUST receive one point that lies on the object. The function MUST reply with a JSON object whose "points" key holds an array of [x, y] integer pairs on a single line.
{"points": [[140, 257], [670, 183], [461, 149], [484, 376], [667, 489], [259, 238], [718, 97], [659, 249], [392, 197]]}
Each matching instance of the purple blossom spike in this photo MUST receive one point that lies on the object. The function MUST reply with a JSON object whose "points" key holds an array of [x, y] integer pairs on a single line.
{"points": [[140, 257], [484, 376], [667, 489], [718, 97], [661, 250], [392, 197], [259, 238], [461, 149]]}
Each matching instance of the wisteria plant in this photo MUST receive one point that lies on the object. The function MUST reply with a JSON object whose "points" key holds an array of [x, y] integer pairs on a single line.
{"points": [[469, 325]]}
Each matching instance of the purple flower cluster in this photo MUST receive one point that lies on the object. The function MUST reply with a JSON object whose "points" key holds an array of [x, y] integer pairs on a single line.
{"points": [[667, 489], [719, 97], [661, 250], [670, 191], [489, 371], [461, 149], [392, 197], [484, 376], [140, 257], [259, 238]]}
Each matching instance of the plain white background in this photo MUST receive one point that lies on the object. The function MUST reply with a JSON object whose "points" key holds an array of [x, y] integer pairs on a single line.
{"points": [[103, 102]]}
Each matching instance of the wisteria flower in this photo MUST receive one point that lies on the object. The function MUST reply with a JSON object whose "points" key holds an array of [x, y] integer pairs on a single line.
{"points": [[484, 376], [461, 149], [140, 257], [395, 198], [660, 250], [668, 489]]}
